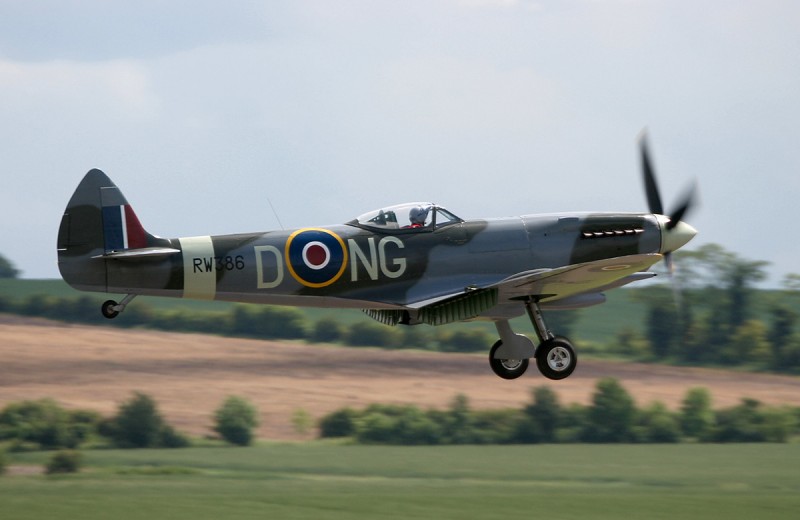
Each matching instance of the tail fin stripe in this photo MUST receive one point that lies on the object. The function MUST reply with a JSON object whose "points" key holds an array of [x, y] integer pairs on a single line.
{"points": [[114, 229], [134, 230]]}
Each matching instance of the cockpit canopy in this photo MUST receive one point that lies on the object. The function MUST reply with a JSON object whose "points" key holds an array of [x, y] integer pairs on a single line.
{"points": [[412, 216]]}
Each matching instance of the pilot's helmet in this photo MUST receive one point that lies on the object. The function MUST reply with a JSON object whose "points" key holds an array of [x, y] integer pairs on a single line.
{"points": [[417, 215]]}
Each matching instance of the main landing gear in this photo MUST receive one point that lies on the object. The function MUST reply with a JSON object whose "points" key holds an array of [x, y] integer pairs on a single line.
{"points": [[555, 355], [111, 309]]}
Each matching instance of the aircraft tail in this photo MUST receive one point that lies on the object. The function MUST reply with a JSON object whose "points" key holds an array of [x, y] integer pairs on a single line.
{"points": [[98, 224]]}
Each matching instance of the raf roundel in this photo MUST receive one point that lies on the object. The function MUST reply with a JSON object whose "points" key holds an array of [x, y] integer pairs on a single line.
{"points": [[315, 257]]}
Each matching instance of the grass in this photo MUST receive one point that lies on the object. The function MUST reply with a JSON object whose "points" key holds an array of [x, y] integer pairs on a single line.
{"points": [[319, 480]]}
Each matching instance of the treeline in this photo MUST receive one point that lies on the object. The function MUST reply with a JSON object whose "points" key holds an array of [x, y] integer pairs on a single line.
{"points": [[612, 417], [710, 316], [254, 321], [715, 319], [43, 424]]}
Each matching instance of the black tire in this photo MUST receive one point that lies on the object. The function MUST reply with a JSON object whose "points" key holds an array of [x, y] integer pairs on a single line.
{"points": [[108, 309], [556, 358], [506, 368]]}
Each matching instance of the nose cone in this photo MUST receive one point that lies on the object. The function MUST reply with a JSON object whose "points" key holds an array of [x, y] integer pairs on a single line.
{"points": [[675, 238]]}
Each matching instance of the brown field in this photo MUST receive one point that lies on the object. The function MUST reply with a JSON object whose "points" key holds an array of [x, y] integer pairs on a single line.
{"points": [[189, 375]]}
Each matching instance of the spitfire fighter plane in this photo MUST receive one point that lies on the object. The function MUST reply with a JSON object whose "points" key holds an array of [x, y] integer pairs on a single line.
{"points": [[403, 265]]}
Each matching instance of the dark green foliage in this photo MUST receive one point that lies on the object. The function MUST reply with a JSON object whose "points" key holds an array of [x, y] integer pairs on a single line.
{"points": [[235, 420], [457, 422], [267, 322], [3, 462], [404, 425], [371, 334], [751, 421], [64, 461], [327, 330], [138, 424], [466, 340], [541, 418], [611, 416], [43, 422], [656, 424], [663, 330], [7, 269], [340, 423], [696, 416], [169, 437]]}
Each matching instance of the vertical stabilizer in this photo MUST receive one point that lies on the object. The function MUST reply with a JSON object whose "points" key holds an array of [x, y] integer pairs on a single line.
{"points": [[98, 221]]}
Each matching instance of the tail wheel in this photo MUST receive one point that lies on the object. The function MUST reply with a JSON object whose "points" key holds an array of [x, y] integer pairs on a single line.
{"points": [[109, 309], [556, 358], [506, 368]]}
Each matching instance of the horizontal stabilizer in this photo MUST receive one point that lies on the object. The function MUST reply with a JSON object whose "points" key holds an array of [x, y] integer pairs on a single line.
{"points": [[144, 252]]}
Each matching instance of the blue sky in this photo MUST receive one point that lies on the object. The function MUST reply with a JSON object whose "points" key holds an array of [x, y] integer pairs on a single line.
{"points": [[203, 112]]}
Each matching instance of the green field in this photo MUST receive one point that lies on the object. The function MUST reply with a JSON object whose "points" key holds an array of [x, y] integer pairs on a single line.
{"points": [[318, 480]]}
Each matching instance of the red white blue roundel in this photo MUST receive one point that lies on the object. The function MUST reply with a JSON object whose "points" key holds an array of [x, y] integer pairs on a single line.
{"points": [[315, 257]]}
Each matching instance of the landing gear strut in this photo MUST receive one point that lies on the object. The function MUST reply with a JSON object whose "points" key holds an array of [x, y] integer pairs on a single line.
{"points": [[555, 355], [111, 309]]}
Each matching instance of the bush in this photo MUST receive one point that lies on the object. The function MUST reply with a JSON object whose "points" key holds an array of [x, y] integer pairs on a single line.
{"points": [[43, 422], [542, 417], [169, 437], [340, 423], [405, 425], [235, 420], [469, 340], [611, 416], [657, 424], [327, 330], [697, 417], [65, 461], [3, 462], [138, 423], [366, 334], [268, 322]]}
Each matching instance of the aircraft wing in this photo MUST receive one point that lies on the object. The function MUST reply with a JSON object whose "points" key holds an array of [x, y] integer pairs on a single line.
{"points": [[563, 282]]}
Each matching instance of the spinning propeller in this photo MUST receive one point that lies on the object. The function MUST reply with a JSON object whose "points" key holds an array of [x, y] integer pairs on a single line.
{"points": [[674, 232]]}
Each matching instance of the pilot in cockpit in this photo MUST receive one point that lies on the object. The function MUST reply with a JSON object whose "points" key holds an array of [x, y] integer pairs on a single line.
{"points": [[417, 217]]}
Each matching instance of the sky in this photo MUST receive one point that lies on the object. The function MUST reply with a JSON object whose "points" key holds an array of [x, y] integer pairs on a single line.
{"points": [[207, 113]]}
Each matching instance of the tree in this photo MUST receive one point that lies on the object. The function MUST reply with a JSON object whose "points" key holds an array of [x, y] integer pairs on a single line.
{"points": [[327, 330], [458, 427], [138, 423], [697, 417], [43, 422], [781, 332], [235, 420], [748, 343], [611, 416], [7, 269], [340, 423], [723, 271], [658, 424], [542, 416], [64, 461]]}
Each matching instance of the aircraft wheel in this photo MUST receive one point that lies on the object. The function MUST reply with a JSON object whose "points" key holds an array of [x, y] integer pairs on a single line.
{"points": [[108, 309], [506, 368], [556, 358]]}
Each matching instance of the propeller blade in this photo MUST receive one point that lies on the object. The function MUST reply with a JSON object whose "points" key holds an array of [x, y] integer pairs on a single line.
{"points": [[650, 185], [683, 208]]}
